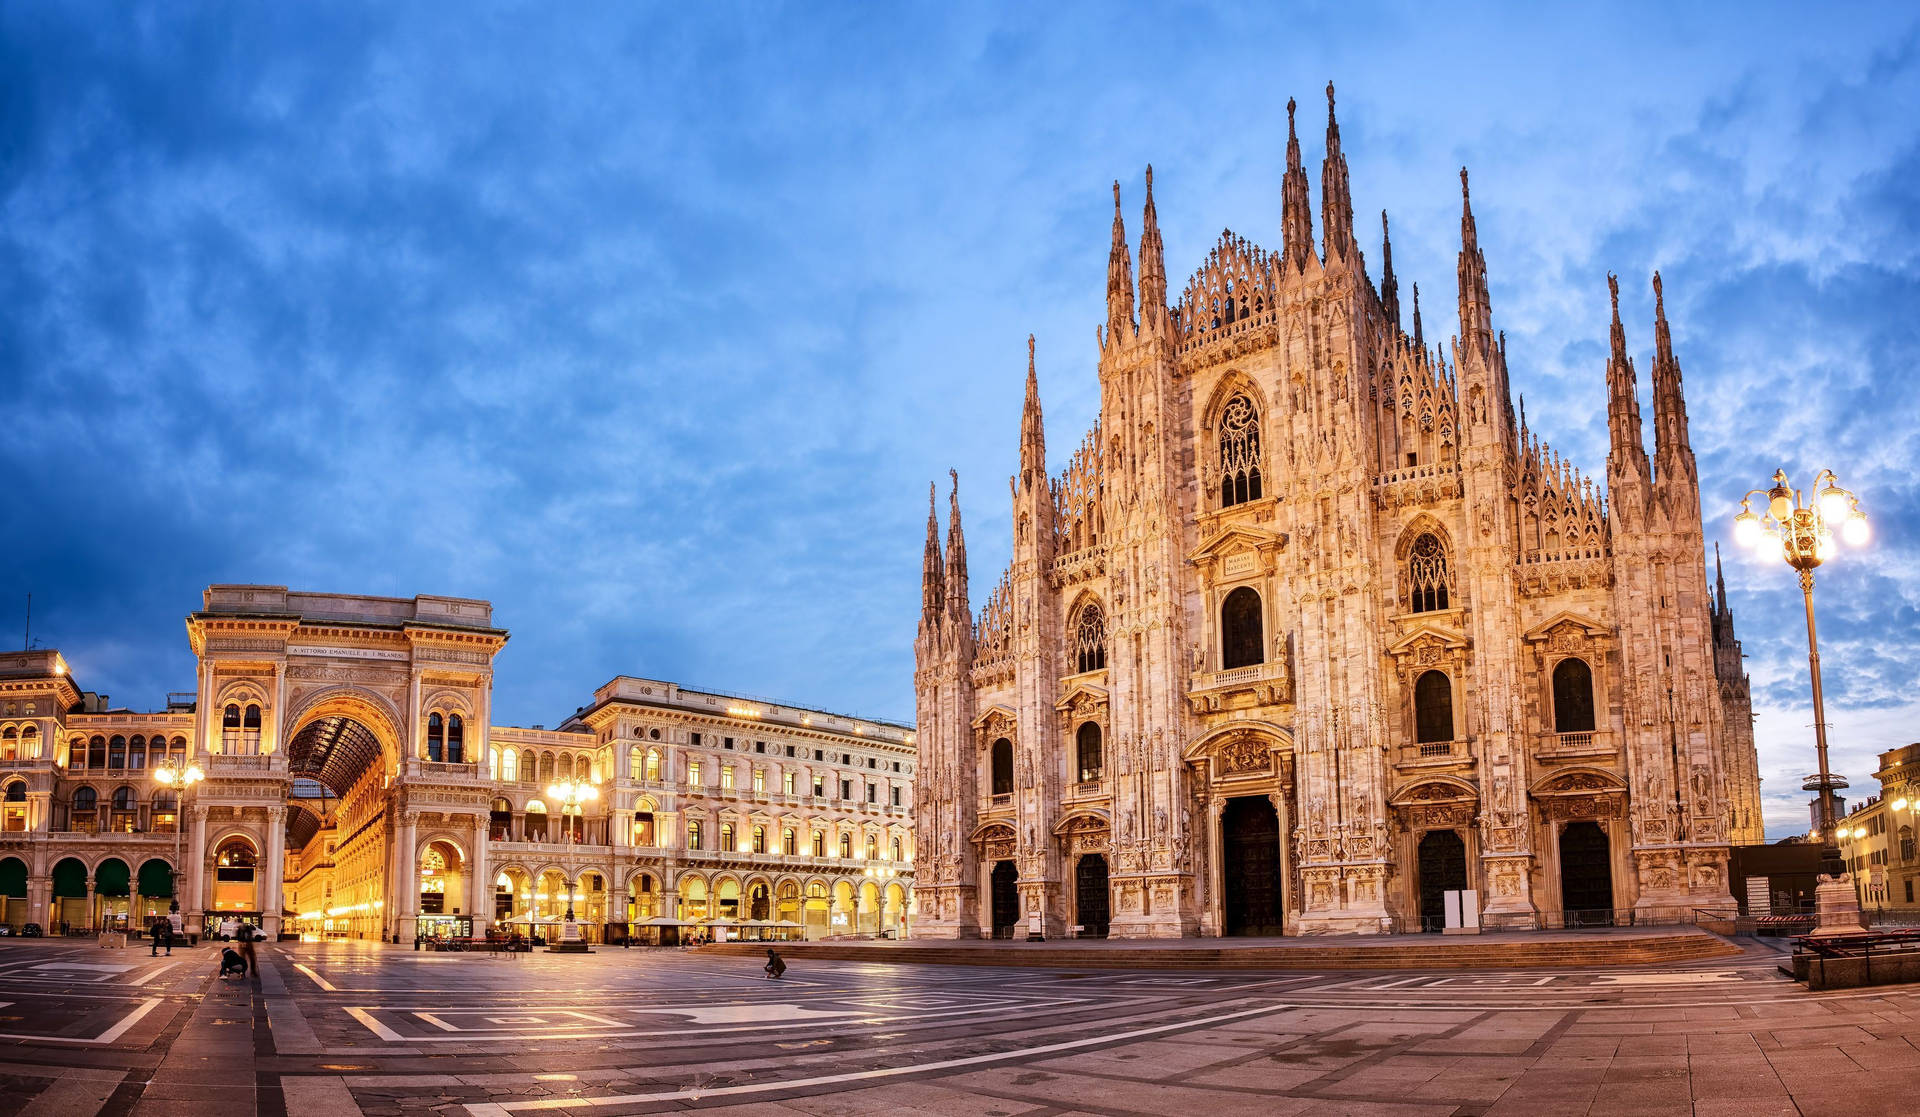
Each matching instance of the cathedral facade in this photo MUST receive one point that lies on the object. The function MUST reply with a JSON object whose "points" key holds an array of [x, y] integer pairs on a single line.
{"points": [[1312, 631]]}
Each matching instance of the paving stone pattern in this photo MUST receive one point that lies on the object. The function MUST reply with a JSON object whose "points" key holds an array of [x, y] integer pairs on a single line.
{"points": [[339, 1029]]}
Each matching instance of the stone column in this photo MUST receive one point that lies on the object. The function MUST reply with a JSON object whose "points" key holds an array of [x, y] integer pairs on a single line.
{"points": [[93, 921], [404, 894], [476, 886], [1279, 802], [276, 866], [195, 907], [1216, 913]]}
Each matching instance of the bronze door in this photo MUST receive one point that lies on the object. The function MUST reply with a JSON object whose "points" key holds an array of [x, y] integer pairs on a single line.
{"points": [[1250, 843], [1443, 869], [1586, 876], [1090, 895], [1006, 899]]}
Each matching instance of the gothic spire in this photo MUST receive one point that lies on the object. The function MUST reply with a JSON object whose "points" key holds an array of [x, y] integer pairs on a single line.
{"points": [[933, 590], [1419, 341], [1719, 582], [1389, 286], [956, 573], [1033, 439], [1336, 202], [1153, 258], [1673, 452], [1627, 453], [1119, 274], [1476, 310], [1296, 218]]}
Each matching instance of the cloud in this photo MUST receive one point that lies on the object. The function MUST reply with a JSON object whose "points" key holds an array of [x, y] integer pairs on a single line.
{"points": [[650, 325]]}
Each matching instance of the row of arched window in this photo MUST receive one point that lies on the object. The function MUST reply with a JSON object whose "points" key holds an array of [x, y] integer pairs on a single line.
{"points": [[1088, 755], [1573, 706], [20, 742], [121, 813], [137, 751], [508, 765]]}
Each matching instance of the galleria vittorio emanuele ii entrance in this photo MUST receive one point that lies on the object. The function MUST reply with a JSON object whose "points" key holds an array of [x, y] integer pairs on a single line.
{"points": [[334, 775]]}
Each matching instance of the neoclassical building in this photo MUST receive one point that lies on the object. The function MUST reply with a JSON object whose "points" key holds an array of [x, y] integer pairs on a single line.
{"points": [[1312, 629], [356, 787]]}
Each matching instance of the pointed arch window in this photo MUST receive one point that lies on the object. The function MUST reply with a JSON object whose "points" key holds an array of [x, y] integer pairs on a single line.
{"points": [[1087, 745], [1239, 452], [1433, 708], [1572, 697], [1242, 642], [1427, 575], [1002, 767], [1090, 639]]}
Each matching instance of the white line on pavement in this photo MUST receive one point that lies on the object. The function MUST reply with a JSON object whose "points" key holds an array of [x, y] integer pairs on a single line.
{"points": [[322, 982], [107, 1036], [503, 1109]]}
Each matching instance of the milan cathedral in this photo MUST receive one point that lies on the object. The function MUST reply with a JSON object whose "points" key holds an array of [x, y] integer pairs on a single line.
{"points": [[1312, 635]]}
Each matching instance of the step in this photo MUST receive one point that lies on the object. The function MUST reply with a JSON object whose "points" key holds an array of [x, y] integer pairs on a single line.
{"points": [[1612, 950]]}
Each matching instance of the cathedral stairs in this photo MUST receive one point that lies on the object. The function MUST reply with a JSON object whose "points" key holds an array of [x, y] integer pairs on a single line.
{"points": [[1504, 951]]}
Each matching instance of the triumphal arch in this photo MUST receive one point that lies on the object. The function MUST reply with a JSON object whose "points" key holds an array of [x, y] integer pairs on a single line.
{"points": [[365, 714]]}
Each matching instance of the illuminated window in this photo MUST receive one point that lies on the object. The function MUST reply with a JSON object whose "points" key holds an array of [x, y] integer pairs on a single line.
{"points": [[788, 844], [693, 773], [759, 839], [726, 777], [693, 833], [787, 783], [759, 781], [819, 844]]}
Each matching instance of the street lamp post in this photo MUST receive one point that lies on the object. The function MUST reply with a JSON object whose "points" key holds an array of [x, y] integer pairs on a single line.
{"points": [[1802, 534], [178, 774], [572, 797]]}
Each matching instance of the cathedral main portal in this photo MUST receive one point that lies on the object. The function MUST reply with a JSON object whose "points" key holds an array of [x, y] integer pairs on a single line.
{"points": [[1250, 836]]}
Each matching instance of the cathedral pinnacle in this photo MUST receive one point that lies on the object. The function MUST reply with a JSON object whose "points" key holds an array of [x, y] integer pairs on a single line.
{"points": [[1719, 581], [933, 590], [1296, 217], [958, 611], [1476, 310], [1627, 455], [1389, 286], [1673, 452], [1119, 274], [1153, 258], [1336, 201], [1033, 439], [1419, 340]]}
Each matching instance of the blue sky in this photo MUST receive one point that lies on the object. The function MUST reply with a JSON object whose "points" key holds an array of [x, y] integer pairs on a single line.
{"points": [[651, 323]]}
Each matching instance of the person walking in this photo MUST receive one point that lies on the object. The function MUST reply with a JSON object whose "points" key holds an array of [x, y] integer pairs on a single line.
{"points": [[245, 933], [159, 933]]}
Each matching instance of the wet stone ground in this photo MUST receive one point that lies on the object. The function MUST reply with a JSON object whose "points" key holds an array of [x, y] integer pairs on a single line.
{"points": [[345, 1028]]}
